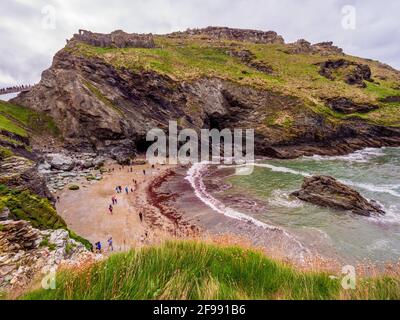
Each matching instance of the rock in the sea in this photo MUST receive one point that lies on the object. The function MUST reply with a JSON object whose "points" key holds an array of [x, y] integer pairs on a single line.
{"points": [[328, 192]]}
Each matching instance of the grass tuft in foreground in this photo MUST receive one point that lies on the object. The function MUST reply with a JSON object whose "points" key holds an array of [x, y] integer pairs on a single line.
{"points": [[196, 270]]}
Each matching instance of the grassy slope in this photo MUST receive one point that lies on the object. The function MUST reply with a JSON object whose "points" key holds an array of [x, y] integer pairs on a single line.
{"points": [[294, 74], [24, 205], [23, 121], [193, 270]]}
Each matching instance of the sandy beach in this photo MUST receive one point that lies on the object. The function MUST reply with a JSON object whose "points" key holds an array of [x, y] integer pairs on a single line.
{"points": [[86, 210]]}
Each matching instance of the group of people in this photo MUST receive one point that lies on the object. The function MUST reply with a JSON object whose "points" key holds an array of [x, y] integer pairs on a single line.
{"points": [[99, 249]]}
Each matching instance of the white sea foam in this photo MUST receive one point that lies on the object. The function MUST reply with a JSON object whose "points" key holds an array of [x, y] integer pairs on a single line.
{"points": [[194, 176], [358, 156], [281, 198]]}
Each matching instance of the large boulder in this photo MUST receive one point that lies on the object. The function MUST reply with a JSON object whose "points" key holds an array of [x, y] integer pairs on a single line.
{"points": [[328, 192]]}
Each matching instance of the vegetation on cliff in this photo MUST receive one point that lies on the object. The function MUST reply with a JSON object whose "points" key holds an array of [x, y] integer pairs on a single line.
{"points": [[196, 270], [190, 58], [22, 121], [25, 205]]}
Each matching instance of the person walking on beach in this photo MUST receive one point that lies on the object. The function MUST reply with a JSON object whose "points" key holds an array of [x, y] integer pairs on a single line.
{"points": [[98, 247], [110, 244], [141, 216], [110, 208]]}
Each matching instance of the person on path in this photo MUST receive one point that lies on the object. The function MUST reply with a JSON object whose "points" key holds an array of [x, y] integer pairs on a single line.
{"points": [[117, 189], [110, 208], [141, 216], [126, 189], [110, 244], [144, 172]]}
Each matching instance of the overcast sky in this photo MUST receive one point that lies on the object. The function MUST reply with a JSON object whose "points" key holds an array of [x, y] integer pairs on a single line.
{"points": [[32, 31]]}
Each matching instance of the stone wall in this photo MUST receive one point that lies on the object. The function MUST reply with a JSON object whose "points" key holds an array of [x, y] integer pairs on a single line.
{"points": [[223, 33], [116, 39]]}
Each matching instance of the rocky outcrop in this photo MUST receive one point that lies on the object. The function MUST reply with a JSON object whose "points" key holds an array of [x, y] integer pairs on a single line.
{"points": [[21, 173], [354, 73], [328, 192], [223, 33], [62, 169], [249, 59], [107, 110], [27, 253], [116, 39], [347, 106], [391, 99], [323, 48]]}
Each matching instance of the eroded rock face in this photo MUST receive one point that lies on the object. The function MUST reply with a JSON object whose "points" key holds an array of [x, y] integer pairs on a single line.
{"points": [[347, 106], [27, 253], [21, 173], [101, 109], [328, 192]]}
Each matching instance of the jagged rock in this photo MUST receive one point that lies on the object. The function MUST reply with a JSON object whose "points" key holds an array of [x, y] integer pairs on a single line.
{"points": [[347, 106], [304, 47], [356, 72], [21, 173], [60, 161], [25, 253], [328, 192]]}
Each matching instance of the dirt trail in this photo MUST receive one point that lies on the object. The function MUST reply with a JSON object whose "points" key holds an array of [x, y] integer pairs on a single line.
{"points": [[86, 210]]}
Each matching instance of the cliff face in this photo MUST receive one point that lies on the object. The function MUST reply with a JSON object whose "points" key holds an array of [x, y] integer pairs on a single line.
{"points": [[106, 99]]}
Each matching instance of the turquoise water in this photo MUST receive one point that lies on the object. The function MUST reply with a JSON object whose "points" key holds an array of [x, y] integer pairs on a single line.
{"points": [[375, 173]]}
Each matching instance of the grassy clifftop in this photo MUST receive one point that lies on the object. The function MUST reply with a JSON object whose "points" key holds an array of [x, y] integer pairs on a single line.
{"points": [[193, 270], [294, 74]]}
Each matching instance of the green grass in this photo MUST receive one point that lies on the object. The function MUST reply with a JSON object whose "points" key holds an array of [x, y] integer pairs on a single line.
{"points": [[10, 126], [73, 187], [20, 120], [196, 270], [190, 270], [5, 153], [24, 205]]}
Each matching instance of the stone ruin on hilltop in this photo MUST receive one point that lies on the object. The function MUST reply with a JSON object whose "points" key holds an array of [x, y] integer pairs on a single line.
{"points": [[224, 33], [323, 48], [116, 39]]}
